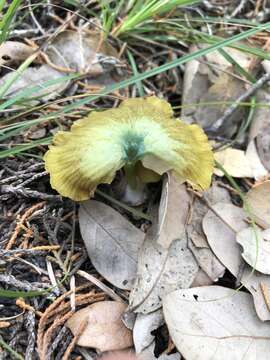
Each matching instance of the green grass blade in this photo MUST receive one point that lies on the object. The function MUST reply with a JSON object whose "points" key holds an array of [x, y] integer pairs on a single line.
{"points": [[149, 10], [16, 74], [14, 294], [2, 4], [12, 352], [135, 72], [22, 147], [7, 19], [239, 69], [34, 89], [152, 72]]}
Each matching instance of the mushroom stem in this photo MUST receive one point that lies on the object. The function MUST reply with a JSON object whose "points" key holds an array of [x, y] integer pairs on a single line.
{"points": [[135, 193]]}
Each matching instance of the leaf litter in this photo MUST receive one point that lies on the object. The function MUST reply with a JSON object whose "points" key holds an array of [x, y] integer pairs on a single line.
{"points": [[14, 51], [103, 329], [112, 242], [164, 269], [258, 198], [250, 242], [143, 328], [193, 238], [221, 228], [68, 52], [197, 241], [215, 322], [191, 241]]}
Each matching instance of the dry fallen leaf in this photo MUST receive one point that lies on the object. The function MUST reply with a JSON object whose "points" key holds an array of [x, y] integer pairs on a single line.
{"points": [[112, 242], [161, 271], [221, 235], [36, 76], [116, 355], [259, 200], [198, 244], [79, 51], [104, 330], [235, 162], [263, 146], [202, 279], [225, 89], [256, 249], [242, 58], [200, 78], [148, 354], [196, 82], [173, 211], [13, 51], [261, 116], [258, 170], [143, 327], [214, 322], [69, 51], [266, 65], [260, 129]]}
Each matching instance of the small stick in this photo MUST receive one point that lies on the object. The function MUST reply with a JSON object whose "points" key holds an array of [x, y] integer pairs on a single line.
{"points": [[21, 303], [99, 284], [4, 324], [29, 212], [74, 340], [219, 122], [28, 194], [238, 9], [265, 293]]}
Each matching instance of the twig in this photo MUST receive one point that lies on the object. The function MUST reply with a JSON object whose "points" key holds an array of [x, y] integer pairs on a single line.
{"points": [[70, 347], [219, 122], [62, 334], [28, 194], [238, 9], [99, 284], [45, 317], [39, 249], [28, 212], [210, 7], [56, 315], [35, 19], [30, 326], [33, 178], [50, 332], [22, 304], [19, 176], [11, 280], [265, 293]]}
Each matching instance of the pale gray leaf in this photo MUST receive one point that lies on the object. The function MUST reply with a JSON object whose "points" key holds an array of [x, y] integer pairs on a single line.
{"points": [[142, 331], [112, 242], [36, 76], [214, 322], [197, 240], [256, 248], [258, 198], [221, 235], [148, 354], [161, 271], [80, 51], [173, 211]]}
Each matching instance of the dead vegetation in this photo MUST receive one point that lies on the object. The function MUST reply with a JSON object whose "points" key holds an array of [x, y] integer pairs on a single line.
{"points": [[180, 257]]}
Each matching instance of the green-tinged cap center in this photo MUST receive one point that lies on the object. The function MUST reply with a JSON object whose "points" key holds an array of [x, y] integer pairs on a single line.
{"points": [[134, 149]]}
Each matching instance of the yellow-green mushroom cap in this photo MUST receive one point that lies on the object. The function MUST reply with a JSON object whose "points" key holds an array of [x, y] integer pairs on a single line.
{"points": [[140, 129]]}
